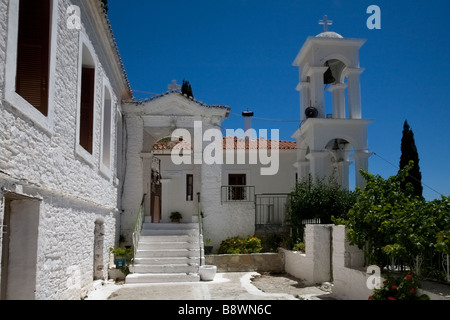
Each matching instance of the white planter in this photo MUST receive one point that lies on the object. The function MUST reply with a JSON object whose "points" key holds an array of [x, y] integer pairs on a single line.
{"points": [[207, 273]]}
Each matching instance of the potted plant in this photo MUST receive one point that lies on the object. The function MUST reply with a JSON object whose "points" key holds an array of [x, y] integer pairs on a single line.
{"points": [[175, 217], [120, 256], [208, 248]]}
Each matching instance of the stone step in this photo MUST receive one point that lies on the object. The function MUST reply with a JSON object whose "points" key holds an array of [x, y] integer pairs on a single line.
{"points": [[168, 238], [167, 268], [168, 253], [169, 232], [139, 278], [168, 245], [169, 226], [166, 261]]}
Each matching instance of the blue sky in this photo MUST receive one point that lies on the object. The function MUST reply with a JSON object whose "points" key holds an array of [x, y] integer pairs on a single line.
{"points": [[239, 53]]}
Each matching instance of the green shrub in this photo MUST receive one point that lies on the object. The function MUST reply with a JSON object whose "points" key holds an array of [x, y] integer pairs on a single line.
{"points": [[311, 199], [299, 246], [237, 245]]}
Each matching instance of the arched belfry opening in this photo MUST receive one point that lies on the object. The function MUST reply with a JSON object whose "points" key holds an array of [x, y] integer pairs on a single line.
{"points": [[335, 83], [333, 135], [339, 165]]}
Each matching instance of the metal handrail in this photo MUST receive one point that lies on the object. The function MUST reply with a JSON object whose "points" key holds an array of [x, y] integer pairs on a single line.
{"points": [[138, 228], [200, 231]]}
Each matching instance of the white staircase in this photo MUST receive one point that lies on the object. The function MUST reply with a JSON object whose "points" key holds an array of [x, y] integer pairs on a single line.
{"points": [[167, 253]]}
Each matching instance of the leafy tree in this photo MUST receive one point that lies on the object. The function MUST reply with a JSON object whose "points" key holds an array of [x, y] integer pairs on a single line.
{"points": [[390, 223], [409, 153], [187, 89], [320, 199]]}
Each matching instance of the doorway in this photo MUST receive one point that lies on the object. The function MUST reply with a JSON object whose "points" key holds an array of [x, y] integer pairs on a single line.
{"points": [[19, 248], [156, 192]]}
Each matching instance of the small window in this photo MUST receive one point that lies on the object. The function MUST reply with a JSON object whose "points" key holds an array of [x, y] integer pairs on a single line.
{"points": [[33, 53], [189, 187], [87, 108]]}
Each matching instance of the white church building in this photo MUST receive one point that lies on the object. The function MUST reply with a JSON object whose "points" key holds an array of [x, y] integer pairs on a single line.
{"points": [[85, 167]]}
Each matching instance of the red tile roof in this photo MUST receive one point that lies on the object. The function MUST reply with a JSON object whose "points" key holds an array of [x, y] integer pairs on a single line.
{"points": [[230, 143]]}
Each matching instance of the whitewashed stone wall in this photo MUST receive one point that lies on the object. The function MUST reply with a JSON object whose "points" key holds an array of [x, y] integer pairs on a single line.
{"points": [[227, 220], [313, 266], [349, 271], [349, 275], [74, 194]]}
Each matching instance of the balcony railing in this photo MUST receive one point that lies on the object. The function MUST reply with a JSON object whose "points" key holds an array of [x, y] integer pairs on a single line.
{"points": [[238, 194]]}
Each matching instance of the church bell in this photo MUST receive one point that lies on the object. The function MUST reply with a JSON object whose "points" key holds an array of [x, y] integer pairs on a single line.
{"points": [[328, 77]]}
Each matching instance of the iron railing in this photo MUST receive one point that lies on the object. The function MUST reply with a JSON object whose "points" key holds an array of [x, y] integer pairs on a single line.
{"points": [[138, 229], [237, 194], [200, 231]]}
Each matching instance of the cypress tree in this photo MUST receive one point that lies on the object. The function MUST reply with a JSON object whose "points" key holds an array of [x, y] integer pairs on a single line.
{"points": [[187, 89], [409, 153]]}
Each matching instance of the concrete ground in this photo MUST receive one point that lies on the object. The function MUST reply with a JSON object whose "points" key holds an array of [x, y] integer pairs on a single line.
{"points": [[226, 286]]}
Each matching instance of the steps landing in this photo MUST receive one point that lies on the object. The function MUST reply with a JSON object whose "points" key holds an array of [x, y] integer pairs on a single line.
{"points": [[167, 252]]}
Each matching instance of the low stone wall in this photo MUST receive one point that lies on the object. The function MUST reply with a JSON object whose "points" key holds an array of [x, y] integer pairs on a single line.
{"points": [[258, 262]]}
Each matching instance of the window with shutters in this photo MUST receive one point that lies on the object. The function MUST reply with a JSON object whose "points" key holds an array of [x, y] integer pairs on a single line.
{"points": [[87, 79], [87, 108], [33, 46], [30, 68]]}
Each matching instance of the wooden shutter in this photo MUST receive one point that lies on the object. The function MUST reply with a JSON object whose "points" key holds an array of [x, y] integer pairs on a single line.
{"points": [[87, 109], [33, 53]]}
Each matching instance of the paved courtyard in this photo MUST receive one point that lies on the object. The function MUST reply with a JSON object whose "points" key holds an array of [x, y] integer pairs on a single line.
{"points": [[226, 286]]}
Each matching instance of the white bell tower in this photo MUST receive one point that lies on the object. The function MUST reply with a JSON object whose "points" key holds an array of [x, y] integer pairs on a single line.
{"points": [[328, 142]]}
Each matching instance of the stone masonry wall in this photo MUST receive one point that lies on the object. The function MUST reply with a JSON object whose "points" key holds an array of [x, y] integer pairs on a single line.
{"points": [[74, 193], [258, 262]]}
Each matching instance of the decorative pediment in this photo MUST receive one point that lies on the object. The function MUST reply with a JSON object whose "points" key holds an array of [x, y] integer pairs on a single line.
{"points": [[176, 104]]}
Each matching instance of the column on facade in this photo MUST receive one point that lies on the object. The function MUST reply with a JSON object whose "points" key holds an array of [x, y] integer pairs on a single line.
{"points": [[304, 89], [343, 168], [338, 94], [354, 92], [147, 182], [317, 92], [210, 178], [361, 162], [164, 197], [303, 170], [318, 164]]}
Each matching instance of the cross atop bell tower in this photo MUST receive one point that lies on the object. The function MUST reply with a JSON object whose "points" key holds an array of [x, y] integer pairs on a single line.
{"points": [[326, 23]]}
